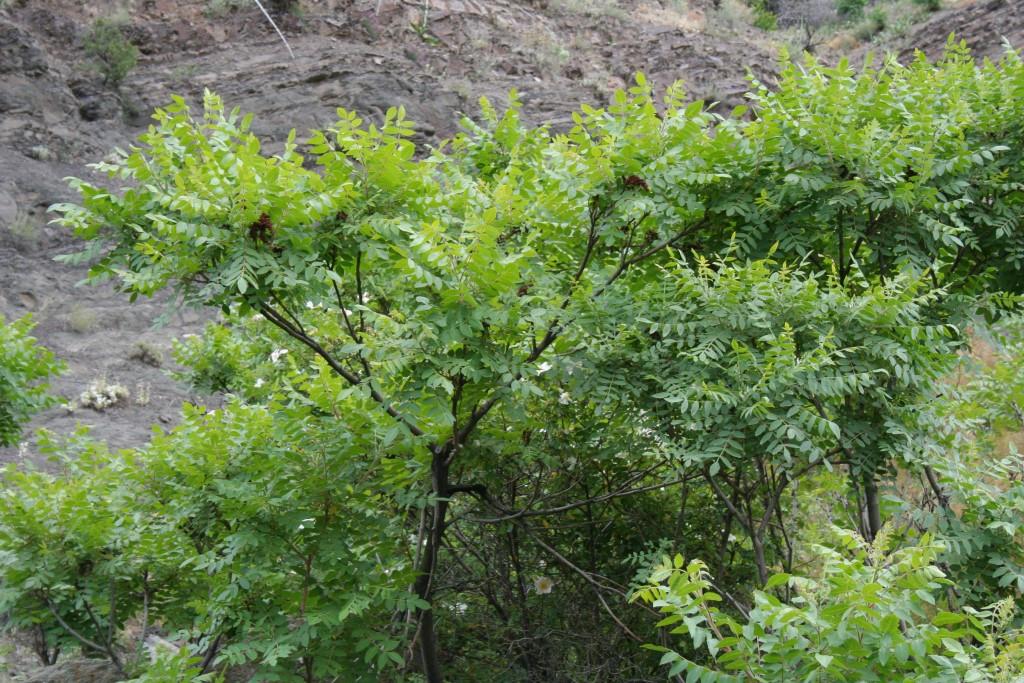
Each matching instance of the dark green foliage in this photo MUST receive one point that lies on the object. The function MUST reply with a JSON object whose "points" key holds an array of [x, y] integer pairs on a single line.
{"points": [[766, 374], [874, 24], [281, 6], [850, 9], [764, 18], [25, 368], [981, 473]]}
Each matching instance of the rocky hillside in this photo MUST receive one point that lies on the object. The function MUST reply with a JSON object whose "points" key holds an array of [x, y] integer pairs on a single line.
{"points": [[986, 25]]}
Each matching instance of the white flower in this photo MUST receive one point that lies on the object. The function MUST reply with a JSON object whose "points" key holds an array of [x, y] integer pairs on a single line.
{"points": [[101, 395], [564, 398], [258, 383], [543, 585], [276, 354], [310, 305], [543, 367], [257, 317]]}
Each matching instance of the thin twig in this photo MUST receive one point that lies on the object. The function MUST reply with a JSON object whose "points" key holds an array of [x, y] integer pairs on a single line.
{"points": [[578, 504], [597, 586], [145, 616], [271, 20]]}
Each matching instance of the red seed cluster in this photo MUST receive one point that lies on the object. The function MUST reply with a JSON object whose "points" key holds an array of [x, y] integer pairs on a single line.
{"points": [[636, 181], [262, 229]]}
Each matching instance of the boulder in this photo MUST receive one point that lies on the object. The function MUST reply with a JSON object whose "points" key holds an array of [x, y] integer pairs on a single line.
{"points": [[77, 671]]}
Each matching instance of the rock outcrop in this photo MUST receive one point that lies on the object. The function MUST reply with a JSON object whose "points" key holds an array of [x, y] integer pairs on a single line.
{"points": [[77, 671]]}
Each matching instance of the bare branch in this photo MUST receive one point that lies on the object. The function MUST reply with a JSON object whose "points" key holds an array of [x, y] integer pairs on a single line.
{"points": [[352, 378], [82, 639], [622, 493]]}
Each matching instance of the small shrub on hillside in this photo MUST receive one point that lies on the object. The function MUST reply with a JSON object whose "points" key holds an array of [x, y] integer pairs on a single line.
{"points": [[82, 319], [809, 16], [221, 7], [25, 231], [147, 354], [731, 15], [930, 5], [113, 54], [217, 8], [764, 18], [25, 368], [101, 395], [598, 8], [545, 49], [281, 6], [42, 153], [874, 24], [850, 9], [143, 393]]}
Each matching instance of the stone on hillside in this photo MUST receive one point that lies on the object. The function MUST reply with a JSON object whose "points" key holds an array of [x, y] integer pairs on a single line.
{"points": [[77, 671]]}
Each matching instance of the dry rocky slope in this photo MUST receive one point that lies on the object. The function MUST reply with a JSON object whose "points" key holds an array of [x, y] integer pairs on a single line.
{"points": [[985, 24]]}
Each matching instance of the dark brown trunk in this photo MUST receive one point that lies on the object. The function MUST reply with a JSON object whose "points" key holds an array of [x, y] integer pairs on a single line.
{"points": [[429, 659], [762, 566], [723, 542], [756, 532], [874, 513]]}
